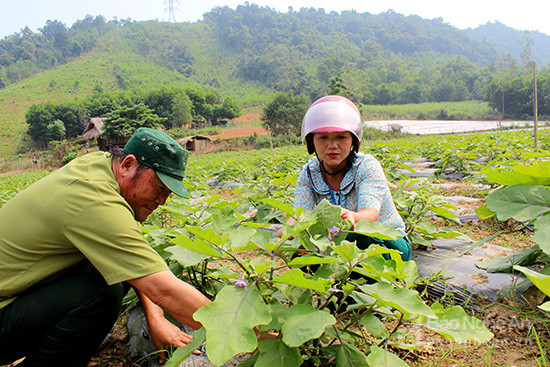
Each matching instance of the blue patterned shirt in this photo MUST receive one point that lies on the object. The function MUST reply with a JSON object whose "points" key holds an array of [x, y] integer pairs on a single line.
{"points": [[364, 186]]}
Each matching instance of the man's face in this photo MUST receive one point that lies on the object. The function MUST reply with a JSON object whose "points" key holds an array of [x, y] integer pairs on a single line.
{"points": [[144, 191]]}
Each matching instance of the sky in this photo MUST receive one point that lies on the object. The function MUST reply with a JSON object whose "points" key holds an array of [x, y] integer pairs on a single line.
{"points": [[522, 15]]}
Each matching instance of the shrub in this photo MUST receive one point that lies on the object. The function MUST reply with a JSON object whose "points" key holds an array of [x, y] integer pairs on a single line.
{"points": [[68, 157]]}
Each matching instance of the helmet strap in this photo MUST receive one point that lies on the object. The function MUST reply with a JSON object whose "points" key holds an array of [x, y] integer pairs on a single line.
{"points": [[350, 159]]}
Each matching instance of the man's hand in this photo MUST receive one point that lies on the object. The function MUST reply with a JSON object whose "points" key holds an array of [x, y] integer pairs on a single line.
{"points": [[165, 334]]}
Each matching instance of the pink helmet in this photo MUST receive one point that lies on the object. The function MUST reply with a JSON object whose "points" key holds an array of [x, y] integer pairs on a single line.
{"points": [[332, 114]]}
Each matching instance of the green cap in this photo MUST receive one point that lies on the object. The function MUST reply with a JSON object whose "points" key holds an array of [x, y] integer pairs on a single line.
{"points": [[157, 150]]}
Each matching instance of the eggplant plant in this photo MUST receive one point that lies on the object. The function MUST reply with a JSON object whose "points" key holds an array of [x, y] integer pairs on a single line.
{"points": [[523, 195], [319, 298]]}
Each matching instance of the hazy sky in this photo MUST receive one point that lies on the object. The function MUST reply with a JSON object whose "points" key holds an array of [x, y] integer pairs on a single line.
{"points": [[521, 15]]}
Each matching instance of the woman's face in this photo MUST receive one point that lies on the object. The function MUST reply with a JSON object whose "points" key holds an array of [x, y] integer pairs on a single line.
{"points": [[333, 148]]}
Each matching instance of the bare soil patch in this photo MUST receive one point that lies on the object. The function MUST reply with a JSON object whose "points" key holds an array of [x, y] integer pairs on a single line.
{"points": [[247, 118], [513, 343]]}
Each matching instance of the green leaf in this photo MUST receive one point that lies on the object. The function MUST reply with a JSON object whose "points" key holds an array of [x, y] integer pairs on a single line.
{"points": [[304, 323], [294, 229], [222, 223], [536, 174], [261, 265], [410, 268], [207, 234], [381, 357], [403, 299], [321, 243], [445, 213], [298, 295], [276, 310], [349, 356], [328, 215], [373, 325], [241, 237], [456, 325], [376, 230], [545, 306], [275, 353], [197, 245], [229, 322], [347, 251], [312, 260], [505, 264], [520, 202], [484, 213], [285, 207], [542, 233], [540, 280], [184, 256], [296, 277], [182, 353]]}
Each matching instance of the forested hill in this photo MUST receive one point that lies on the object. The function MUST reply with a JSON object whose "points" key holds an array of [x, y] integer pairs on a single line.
{"points": [[509, 41], [250, 52], [261, 45]]}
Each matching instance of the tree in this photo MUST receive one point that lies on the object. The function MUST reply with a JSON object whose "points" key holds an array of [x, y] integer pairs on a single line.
{"points": [[56, 130], [228, 110], [337, 87], [161, 101], [123, 122], [284, 114], [39, 116], [182, 110]]}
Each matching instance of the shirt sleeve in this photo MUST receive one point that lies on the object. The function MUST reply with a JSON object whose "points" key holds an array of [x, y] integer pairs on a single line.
{"points": [[303, 195], [371, 184], [110, 238]]}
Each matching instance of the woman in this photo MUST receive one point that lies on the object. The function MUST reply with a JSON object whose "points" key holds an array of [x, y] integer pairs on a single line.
{"points": [[332, 129]]}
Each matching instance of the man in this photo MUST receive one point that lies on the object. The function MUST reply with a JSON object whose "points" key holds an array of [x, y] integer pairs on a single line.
{"points": [[70, 245]]}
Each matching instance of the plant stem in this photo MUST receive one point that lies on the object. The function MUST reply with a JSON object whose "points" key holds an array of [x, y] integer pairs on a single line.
{"points": [[397, 325]]}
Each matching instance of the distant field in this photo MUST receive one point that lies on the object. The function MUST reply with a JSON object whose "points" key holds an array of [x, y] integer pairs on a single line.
{"points": [[469, 110]]}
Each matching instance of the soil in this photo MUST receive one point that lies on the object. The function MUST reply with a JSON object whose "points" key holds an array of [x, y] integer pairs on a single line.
{"points": [[513, 343], [237, 132]]}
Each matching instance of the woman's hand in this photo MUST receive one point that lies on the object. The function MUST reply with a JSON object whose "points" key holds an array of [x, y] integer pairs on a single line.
{"points": [[349, 215], [364, 213]]}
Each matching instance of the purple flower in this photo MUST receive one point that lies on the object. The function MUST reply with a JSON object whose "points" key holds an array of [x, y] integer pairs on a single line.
{"points": [[334, 232], [241, 282]]}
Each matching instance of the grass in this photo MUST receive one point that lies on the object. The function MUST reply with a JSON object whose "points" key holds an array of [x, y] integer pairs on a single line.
{"points": [[468, 110]]}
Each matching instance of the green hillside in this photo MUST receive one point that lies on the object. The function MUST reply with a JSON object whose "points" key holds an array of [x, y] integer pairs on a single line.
{"points": [[252, 52], [509, 41]]}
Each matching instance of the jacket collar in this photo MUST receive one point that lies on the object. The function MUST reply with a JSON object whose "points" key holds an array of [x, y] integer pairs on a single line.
{"points": [[321, 187]]}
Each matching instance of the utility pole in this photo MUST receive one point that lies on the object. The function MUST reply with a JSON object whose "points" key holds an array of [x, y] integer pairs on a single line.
{"points": [[535, 107]]}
